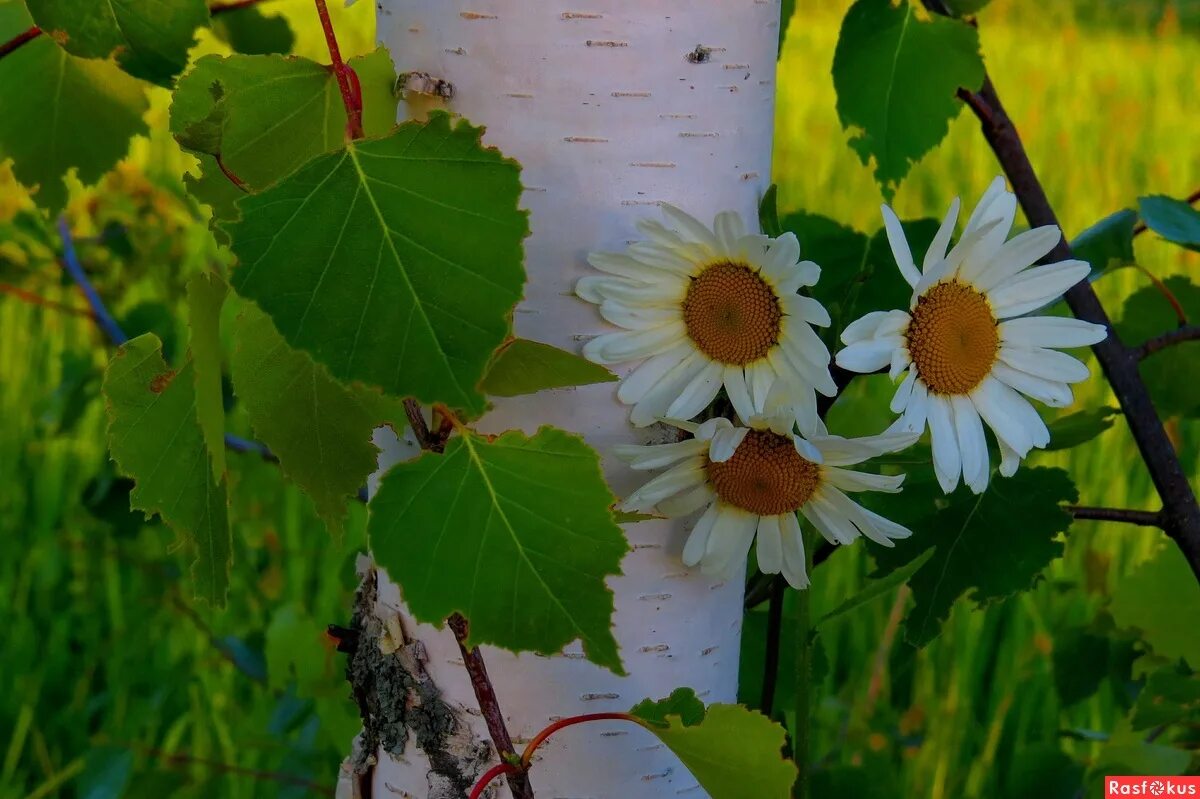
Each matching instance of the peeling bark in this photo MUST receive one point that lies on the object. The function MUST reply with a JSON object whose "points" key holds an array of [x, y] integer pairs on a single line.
{"points": [[401, 705]]}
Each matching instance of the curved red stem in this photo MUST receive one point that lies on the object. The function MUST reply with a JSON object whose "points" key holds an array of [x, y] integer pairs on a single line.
{"points": [[539, 739], [495, 771]]}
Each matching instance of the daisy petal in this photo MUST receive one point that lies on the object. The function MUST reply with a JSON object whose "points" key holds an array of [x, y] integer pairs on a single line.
{"points": [[850, 480], [612, 348], [899, 244], [739, 393], [868, 356], [1020, 252], [972, 445], [685, 503], [947, 462], [941, 239], [1048, 364], [903, 392], [770, 545], [1036, 287], [1051, 392], [794, 570], [698, 393], [725, 443], [697, 541], [1051, 331], [643, 378]]}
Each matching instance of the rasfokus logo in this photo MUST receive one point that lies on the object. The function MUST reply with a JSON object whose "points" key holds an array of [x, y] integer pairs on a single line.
{"points": [[1151, 786]]}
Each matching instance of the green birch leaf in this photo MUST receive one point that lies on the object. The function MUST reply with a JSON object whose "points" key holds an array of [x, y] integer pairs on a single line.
{"points": [[149, 40], [969, 558], [1108, 244], [525, 367], [251, 32], [1168, 696], [267, 115], [395, 261], [319, 429], [515, 533], [154, 437], [896, 75], [732, 752], [1171, 374], [1080, 427], [88, 111], [1164, 581], [1174, 220], [206, 296]]}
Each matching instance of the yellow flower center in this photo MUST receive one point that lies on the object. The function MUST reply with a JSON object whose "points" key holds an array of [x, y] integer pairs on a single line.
{"points": [[765, 476], [732, 314], [953, 338]]}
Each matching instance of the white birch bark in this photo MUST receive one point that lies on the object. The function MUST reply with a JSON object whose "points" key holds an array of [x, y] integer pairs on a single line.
{"points": [[611, 107]]}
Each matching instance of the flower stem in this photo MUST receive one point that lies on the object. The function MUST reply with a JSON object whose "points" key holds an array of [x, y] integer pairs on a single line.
{"points": [[801, 734]]}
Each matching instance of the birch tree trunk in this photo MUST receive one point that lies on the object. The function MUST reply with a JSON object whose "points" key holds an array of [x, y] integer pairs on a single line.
{"points": [[611, 106]]}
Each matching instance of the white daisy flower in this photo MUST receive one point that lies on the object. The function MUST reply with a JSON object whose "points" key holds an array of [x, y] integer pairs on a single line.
{"points": [[965, 345], [706, 309], [754, 480]]}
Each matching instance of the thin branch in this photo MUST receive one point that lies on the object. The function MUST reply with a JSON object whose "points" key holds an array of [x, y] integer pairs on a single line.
{"points": [[485, 694], [37, 299], [346, 78], [1191, 199], [1168, 295], [1181, 513], [104, 320], [1177, 336], [19, 39], [1142, 518]]}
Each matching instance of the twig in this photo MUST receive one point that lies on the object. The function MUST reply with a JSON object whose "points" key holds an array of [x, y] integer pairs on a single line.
{"points": [[1181, 513], [37, 299], [104, 320], [1178, 336], [347, 80], [485, 694], [1191, 199], [1143, 518], [19, 39], [1168, 295]]}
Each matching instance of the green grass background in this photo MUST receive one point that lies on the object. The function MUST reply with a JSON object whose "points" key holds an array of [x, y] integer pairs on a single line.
{"points": [[108, 665]]}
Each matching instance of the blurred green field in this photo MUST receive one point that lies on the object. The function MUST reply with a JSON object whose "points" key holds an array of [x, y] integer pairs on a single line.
{"points": [[115, 678]]}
